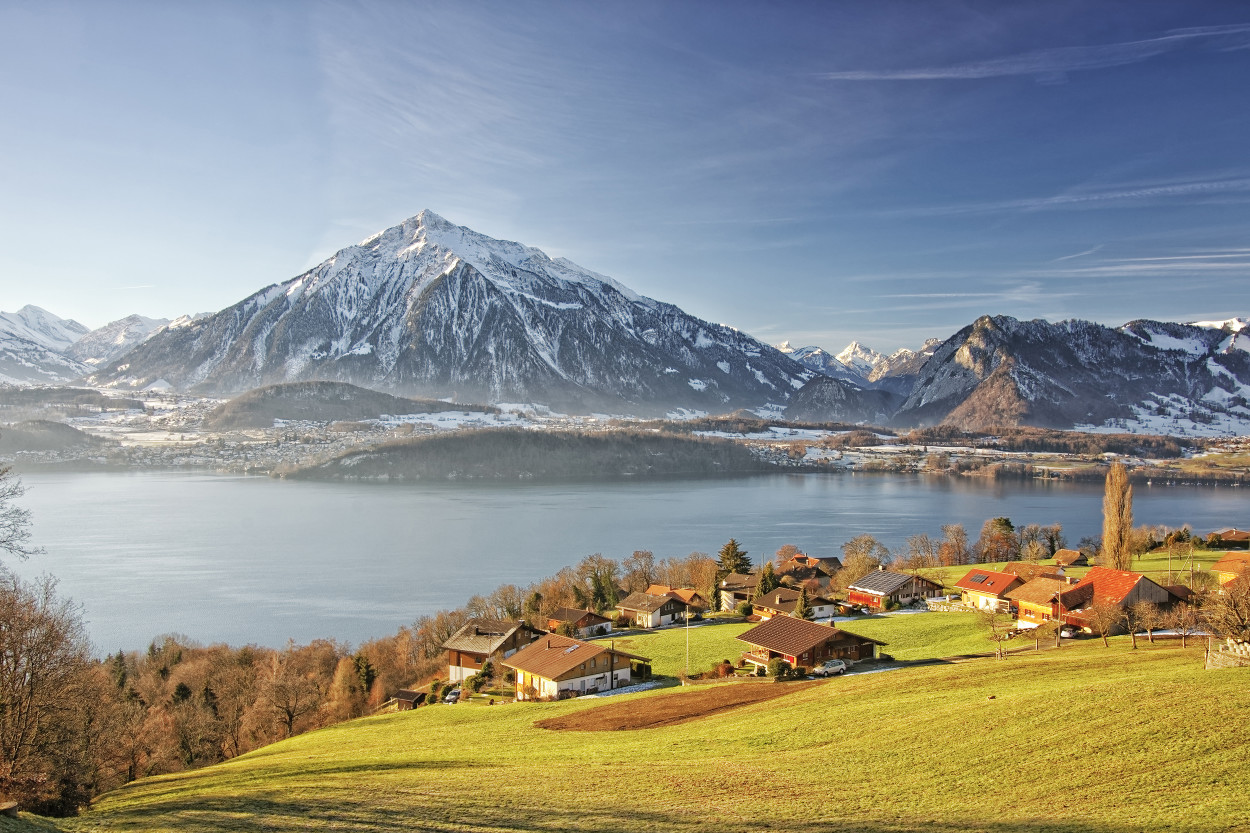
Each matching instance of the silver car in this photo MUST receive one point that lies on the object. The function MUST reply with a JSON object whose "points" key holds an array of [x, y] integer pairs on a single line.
{"points": [[829, 668]]}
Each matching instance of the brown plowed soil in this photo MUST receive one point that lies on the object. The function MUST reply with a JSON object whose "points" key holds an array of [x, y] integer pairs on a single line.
{"points": [[670, 709]]}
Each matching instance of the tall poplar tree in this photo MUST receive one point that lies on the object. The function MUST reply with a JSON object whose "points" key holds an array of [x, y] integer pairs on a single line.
{"points": [[1117, 519]]}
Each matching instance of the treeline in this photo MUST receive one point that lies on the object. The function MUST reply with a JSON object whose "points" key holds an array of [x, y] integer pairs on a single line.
{"points": [[19, 403], [745, 422], [1054, 441], [514, 453]]}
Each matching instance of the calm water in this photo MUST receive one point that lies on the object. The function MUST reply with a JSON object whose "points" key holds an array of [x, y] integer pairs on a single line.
{"points": [[239, 560]]}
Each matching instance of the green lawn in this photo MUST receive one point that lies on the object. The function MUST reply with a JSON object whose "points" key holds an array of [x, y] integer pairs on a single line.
{"points": [[1078, 740]]}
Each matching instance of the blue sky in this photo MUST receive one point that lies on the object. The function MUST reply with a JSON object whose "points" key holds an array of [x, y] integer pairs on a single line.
{"points": [[818, 172]]}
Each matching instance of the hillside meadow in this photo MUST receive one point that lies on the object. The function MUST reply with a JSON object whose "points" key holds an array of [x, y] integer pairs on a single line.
{"points": [[1081, 739]]}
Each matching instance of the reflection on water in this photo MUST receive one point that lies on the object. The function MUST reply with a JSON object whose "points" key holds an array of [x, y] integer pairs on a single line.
{"points": [[239, 560]]}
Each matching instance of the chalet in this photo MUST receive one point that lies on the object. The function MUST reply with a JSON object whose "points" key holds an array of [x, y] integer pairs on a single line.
{"points": [[583, 622], [647, 611], [804, 568], [737, 588], [1070, 558], [483, 639], [1117, 587], [559, 666], [883, 588], [1231, 538], [1231, 566], [1037, 600], [987, 589], [783, 601], [687, 595], [800, 642]]}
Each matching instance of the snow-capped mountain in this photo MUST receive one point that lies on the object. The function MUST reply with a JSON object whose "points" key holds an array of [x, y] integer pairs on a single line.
{"points": [[828, 399], [1144, 376], [113, 339], [822, 362], [859, 359], [32, 345], [866, 368], [436, 309]]}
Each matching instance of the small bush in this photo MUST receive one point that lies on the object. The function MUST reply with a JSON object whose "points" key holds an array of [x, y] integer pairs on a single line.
{"points": [[778, 668], [723, 669], [798, 672], [745, 608]]}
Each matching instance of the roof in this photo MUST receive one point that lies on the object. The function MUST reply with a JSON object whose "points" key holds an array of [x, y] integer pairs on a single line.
{"points": [[739, 581], [883, 582], [646, 602], [784, 600], [554, 655], [988, 582], [1027, 570], [686, 595], [1038, 591], [482, 636], [790, 636], [804, 562], [1066, 557], [1233, 562], [1180, 592], [1102, 584], [1232, 533], [573, 614]]}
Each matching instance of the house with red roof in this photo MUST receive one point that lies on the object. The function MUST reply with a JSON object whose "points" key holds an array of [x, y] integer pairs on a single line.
{"points": [[987, 589], [1121, 588], [1230, 566]]}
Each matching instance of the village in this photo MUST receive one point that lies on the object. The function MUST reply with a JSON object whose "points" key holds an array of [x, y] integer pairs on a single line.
{"points": [[791, 623]]}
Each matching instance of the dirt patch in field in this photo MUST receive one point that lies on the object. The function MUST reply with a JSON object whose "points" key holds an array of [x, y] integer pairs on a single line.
{"points": [[669, 709]]}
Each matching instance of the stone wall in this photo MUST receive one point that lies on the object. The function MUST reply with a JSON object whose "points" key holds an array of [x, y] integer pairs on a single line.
{"points": [[1230, 655]]}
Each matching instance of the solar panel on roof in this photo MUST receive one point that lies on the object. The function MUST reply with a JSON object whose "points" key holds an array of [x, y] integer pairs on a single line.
{"points": [[978, 578]]}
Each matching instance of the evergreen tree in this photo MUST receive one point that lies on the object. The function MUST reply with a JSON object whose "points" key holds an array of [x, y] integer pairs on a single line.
{"points": [[802, 608], [768, 580], [733, 559], [1117, 519]]}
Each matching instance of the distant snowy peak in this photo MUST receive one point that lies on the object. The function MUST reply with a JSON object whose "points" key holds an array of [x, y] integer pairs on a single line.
{"points": [[41, 327], [114, 339], [859, 358], [1233, 325]]}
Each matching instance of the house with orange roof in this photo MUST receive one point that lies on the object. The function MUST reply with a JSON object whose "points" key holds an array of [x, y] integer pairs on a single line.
{"points": [[1037, 600], [687, 595], [583, 623], [554, 667], [1230, 566], [1121, 588], [987, 589]]}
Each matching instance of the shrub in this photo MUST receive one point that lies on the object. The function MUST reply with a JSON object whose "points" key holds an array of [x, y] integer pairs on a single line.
{"points": [[723, 669], [798, 672], [745, 608], [778, 667]]}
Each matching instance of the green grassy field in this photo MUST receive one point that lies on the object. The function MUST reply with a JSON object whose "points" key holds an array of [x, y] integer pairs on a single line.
{"points": [[1073, 741]]}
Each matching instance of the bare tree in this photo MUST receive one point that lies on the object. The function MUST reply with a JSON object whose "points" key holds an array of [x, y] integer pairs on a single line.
{"points": [[640, 572], [922, 552], [1147, 616], [1000, 627], [785, 553], [1228, 612], [954, 547], [1103, 618], [1117, 519], [14, 520], [1183, 619]]}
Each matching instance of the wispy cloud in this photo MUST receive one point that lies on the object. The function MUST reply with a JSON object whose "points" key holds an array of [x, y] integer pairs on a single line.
{"points": [[1057, 61], [1085, 253]]}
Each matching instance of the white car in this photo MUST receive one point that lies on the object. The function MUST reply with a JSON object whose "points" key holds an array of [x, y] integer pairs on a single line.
{"points": [[829, 668]]}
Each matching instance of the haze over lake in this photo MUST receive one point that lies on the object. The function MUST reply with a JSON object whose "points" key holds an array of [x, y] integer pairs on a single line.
{"points": [[253, 560]]}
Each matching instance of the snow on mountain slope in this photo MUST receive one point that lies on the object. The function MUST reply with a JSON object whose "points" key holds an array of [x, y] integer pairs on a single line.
{"points": [[430, 308], [31, 345], [859, 359], [113, 339], [822, 362]]}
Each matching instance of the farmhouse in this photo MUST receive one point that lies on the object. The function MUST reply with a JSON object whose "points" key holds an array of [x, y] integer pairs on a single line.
{"points": [[804, 568], [783, 601], [647, 611], [1070, 558], [583, 622], [483, 639], [557, 666], [737, 588], [1231, 538], [1230, 566], [1036, 601], [800, 642], [1116, 587], [987, 589], [882, 588]]}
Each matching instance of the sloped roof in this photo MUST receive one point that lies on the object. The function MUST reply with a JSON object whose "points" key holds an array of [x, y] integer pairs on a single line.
{"points": [[1232, 533], [1068, 557], [784, 600], [882, 582], [482, 636], [1103, 584], [646, 602], [988, 582], [573, 614], [1233, 562], [686, 595], [739, 581], [1027, 570], [1038, 591], [790, 636], [554, 655]]}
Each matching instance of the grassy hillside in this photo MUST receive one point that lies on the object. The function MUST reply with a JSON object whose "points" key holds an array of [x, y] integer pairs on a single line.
{"points": [[1082, 739]]}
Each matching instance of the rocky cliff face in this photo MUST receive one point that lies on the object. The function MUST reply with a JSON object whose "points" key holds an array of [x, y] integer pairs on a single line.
{"points": [[434, 309]]}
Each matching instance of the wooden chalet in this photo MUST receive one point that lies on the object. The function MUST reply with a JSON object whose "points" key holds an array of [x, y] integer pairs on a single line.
{"points": [[783, 601], [987, 589], [1230, 566], [800, 642], [584, 623], [804, 568], [688, 595], [555, 667], [1037, 600], [880, 588], [483, 639], [1070, 558], [1118, 587], [647, 611], [737, 588]]}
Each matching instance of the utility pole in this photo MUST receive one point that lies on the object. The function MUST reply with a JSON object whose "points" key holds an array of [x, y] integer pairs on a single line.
{"points": [[687, 640]]}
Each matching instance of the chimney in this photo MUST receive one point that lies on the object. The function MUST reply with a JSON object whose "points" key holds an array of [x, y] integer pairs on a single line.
{"points": [[881, 567]]}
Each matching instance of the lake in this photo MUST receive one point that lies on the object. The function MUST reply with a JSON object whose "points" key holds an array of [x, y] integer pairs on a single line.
{"points": [[254, 560]]}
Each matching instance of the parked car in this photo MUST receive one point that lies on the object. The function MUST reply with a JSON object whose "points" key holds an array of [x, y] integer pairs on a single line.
{"points": [[452, 696], [829, 668]]}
